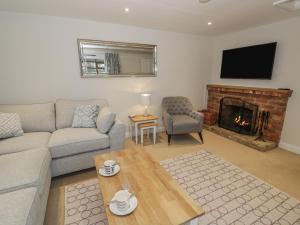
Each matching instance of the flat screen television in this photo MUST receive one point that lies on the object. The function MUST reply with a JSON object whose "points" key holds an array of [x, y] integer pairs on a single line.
{"points": [[252, 62]]}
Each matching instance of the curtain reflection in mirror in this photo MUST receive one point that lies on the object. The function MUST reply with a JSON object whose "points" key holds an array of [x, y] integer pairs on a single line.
{"points": [[112, 63]]}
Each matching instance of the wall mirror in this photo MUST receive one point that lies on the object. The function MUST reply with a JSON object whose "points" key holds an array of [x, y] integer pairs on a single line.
{"points": [[116, 59]]}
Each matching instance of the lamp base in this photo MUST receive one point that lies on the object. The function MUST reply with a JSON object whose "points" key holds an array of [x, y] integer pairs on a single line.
{"points": [[146, 111]]}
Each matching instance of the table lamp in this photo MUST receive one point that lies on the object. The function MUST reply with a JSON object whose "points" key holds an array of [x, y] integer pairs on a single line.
{"points": [[145, 101]]}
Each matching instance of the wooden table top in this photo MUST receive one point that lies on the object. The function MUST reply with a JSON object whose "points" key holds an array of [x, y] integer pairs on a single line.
{"points": [[141, 118], [142, 125], [161, 201]]}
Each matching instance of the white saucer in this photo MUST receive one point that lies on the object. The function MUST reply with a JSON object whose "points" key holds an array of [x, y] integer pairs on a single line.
{"points": [[103, 173], [133, 204]]}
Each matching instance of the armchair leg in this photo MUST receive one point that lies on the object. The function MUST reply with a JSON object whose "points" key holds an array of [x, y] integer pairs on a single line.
{"points": [[201, 137], [169, 139]]}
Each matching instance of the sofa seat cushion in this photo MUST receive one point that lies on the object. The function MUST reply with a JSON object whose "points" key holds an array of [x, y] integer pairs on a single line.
{"points": [[72, 141], [25, 142], [24, 169], [184, 124], [19, 207]]}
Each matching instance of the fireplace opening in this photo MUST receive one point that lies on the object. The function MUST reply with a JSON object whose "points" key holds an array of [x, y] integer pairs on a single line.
{"points": [[238, 115]]}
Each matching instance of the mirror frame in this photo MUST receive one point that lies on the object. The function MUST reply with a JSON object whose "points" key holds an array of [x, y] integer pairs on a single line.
{"points": [[115, 45]]}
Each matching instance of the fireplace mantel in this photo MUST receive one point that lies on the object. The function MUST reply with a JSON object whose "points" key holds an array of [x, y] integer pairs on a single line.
{"points": [[271, 100], [251, 90]]}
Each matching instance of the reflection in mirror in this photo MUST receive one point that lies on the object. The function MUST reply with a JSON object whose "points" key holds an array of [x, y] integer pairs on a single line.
{"points": [[112, 59]]}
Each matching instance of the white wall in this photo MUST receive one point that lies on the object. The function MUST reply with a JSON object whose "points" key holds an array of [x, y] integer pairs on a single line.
{"points": [[286, 73], [39, 62]]}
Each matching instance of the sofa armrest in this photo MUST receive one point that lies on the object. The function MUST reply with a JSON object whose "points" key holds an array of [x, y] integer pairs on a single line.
{"points": [[117, 135], [168, 121], [197, 116]]}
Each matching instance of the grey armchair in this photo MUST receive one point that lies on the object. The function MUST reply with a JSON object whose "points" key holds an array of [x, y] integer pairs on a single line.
{"points": [[180, 118]]}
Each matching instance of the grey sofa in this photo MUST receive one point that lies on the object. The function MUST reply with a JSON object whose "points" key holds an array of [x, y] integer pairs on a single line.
{"points": [[180, 118], [48, 148]]}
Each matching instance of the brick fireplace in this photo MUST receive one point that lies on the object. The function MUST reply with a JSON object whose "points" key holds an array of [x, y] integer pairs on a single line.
{"points": [[272, 102]]}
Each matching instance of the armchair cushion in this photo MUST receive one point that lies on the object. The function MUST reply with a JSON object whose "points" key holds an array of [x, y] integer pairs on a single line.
{"points": [[184, 124]]}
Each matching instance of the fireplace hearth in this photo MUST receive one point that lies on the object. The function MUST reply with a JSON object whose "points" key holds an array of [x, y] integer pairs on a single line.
{"points": [[238, 115]]}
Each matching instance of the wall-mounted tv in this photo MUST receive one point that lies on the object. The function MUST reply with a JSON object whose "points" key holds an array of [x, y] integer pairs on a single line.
{"points": [[252, 62]]}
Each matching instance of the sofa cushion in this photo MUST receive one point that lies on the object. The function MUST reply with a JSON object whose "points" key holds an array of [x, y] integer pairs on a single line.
{"points": [[10, 125], [105, 120], [85, 116], [71, 141], [19, 207], [25, 142], [184, 124], [65, 110], [34, 117], [23, 169]]}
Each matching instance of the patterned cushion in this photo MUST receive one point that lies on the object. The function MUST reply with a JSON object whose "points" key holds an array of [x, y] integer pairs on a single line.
{"points": [[177, 105], [85, 116], [105, 120], [10, 125]]}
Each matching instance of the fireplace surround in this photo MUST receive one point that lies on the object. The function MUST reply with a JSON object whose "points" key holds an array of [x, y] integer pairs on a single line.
{"points": [[273, 101]]}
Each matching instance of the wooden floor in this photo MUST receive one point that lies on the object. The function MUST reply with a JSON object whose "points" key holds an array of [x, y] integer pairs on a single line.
{"points": [[277, 167]]}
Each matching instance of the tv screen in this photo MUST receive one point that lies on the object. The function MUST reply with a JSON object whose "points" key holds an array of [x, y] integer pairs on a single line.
{"points": [[252, 62]]}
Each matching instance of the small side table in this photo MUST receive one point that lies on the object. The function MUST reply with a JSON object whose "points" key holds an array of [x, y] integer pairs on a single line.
{"points": [[139, 119], [148, 126]]}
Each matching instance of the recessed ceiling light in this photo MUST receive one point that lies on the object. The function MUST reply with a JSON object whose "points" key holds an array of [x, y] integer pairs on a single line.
{"points": [[209, 23], [126, 9]]}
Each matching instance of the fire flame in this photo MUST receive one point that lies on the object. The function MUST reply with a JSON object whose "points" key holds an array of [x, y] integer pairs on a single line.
{"points": [[238, 120]]}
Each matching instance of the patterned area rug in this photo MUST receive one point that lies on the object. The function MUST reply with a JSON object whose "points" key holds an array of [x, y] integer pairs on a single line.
{"points": [[230, 195], [84, 205]]}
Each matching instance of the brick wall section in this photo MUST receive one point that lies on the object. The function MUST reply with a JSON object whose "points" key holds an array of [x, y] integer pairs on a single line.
{"points": [[272, 100]]}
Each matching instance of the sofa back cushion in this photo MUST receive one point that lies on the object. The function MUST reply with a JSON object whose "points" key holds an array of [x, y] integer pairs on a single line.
{"points": [[34, 117], [65, 110], [105, 120]]}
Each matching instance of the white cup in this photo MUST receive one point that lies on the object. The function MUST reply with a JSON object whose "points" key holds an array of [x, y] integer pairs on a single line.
{"points": [[109, 166], [122, 200]]}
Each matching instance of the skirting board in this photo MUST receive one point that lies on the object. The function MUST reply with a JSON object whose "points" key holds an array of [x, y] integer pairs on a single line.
{"points": [[289, 147]]}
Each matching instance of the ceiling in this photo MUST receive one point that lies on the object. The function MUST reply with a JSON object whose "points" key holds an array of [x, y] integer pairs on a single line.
{"points": [[175, 15]]}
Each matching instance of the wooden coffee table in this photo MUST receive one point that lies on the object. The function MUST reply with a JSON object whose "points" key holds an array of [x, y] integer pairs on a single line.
{"points": [[160, 199]]}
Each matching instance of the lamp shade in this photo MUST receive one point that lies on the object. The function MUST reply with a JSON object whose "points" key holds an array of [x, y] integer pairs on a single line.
{"points": [[145, 99]]}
